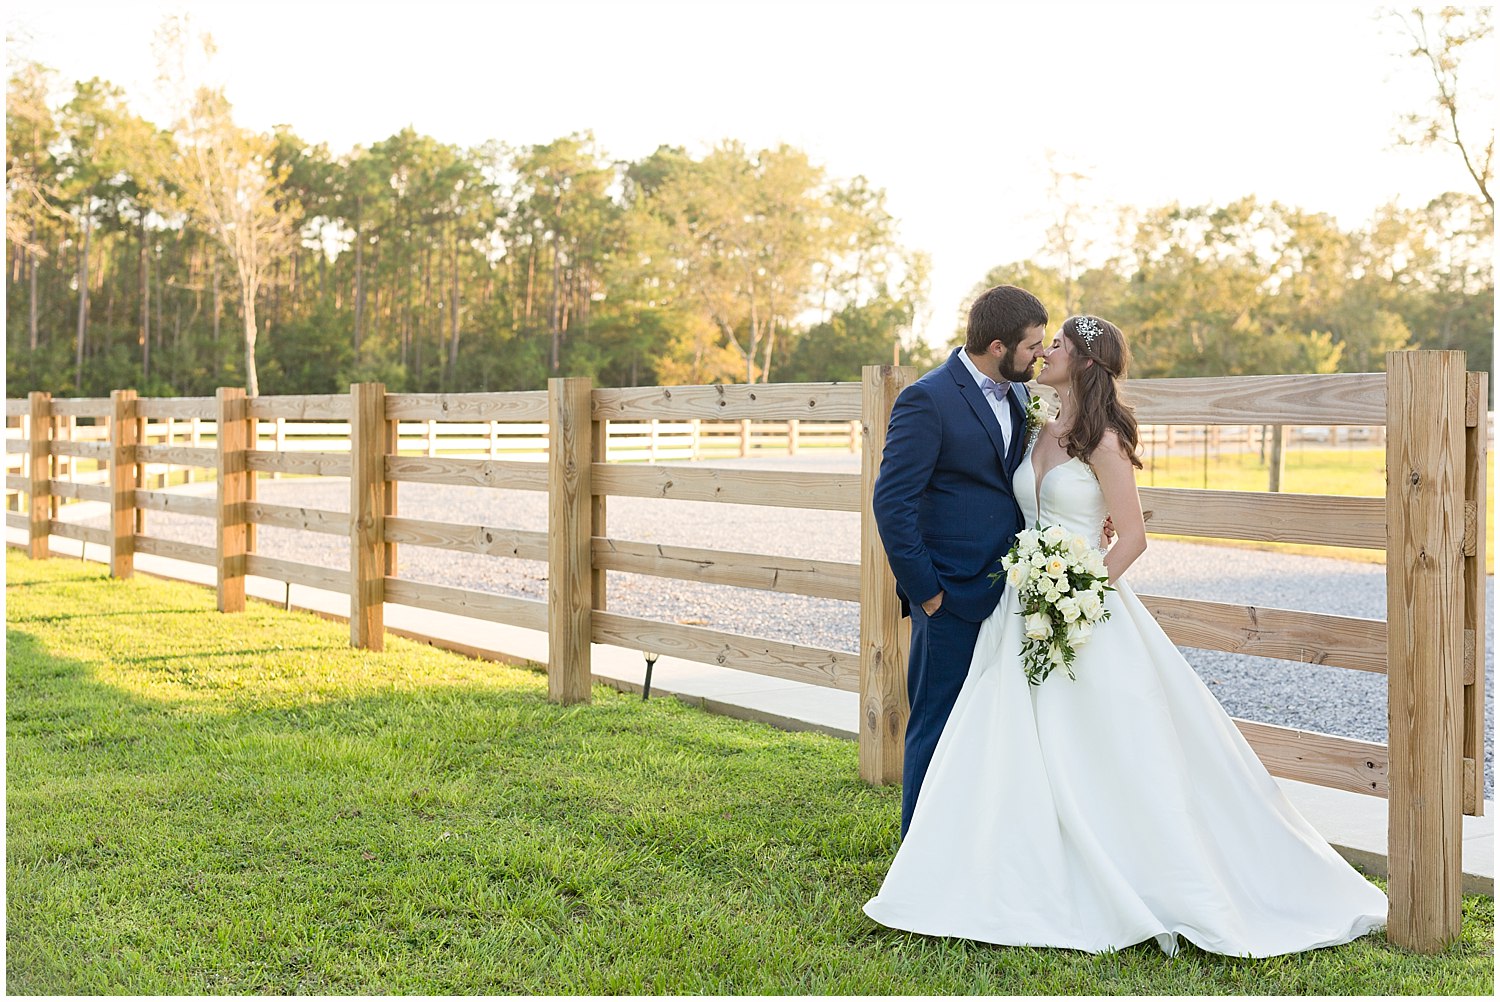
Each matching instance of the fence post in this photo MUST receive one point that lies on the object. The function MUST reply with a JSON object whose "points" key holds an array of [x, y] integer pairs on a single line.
{"points": [[391, 447], [744, 437], [570, 621], [1476, 476], [231, 442], [695, 433], [367, 442], [278, 443], [124, 435], [169, 440], [195, 439], [39, 435], [1277, 463], [793, 433], [599, 446], [883, 709], [252, 444], [142, 481], [1425, 394], [63, 467]]}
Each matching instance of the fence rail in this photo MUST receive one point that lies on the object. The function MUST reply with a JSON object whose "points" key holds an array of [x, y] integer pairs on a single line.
{"points": [[1425, 411]]}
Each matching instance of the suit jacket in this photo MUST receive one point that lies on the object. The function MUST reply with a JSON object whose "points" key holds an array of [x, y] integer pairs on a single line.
{"points": [[943, 500]]}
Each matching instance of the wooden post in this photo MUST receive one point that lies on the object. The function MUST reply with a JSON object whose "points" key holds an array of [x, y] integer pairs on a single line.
{"points": [[1277, 463], [1476, 477], [279, 443], [793, 432], [63, 467], [124, 431], [170, 435], [854, 437], [883, 708], [138, 522], [195, 439], [695, 450], [39, 435], [599, 445], [744, 437], [367, 443], [432, 438], [392, 447], [570, 621], [231, 442], [653, 440], [1425, 394], [252, 443]]}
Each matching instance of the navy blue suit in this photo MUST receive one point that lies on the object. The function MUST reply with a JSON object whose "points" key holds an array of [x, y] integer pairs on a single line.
{"points": [[946, 513]]}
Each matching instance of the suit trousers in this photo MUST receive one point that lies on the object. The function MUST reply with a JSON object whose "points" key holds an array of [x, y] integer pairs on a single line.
{"points": [[941, 648]]}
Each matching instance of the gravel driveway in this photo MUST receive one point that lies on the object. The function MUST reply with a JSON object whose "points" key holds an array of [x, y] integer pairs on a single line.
{"points": [[1331, 700]]}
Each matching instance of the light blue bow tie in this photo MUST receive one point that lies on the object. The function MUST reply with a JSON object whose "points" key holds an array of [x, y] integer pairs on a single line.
{"points": [[993, 389]]}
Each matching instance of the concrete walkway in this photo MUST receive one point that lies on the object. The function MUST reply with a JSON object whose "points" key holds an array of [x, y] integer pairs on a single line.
{"points": [[1352, 823]]}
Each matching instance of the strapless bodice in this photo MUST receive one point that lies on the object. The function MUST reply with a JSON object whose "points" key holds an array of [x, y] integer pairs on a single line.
{"points": [[1069, 497]]}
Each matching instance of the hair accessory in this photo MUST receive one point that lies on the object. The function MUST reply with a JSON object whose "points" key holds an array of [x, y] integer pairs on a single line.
{"points": [[1087, 328]]}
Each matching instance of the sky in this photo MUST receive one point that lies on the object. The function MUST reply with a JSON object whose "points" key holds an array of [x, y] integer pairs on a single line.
{"points": [[952, 108]]}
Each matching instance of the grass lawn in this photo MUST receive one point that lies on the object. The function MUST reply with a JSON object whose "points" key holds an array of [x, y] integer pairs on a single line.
{"points": [[200, 803], [1347, 471]]}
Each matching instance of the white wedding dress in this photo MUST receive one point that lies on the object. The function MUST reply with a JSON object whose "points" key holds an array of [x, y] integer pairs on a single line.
{"points": [[1103, 812]]}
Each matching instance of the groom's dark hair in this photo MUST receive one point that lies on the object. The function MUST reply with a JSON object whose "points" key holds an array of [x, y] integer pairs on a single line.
{"points": [[1002, 314]]}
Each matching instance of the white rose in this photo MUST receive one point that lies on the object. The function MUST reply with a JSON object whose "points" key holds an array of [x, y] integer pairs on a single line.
{"points": [[1056, 654], [1014, 577], [1079, 633], [1052, 595], [1027, 538], [1078, 548], [1090, 605], [1038, 560], [1054, 534], [1038, 626], [1069, 609], [1094, 564], [1057, 567]]}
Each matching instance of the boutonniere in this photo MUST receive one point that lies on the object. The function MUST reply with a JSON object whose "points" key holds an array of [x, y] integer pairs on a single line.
{"points": [[1037, 414]]}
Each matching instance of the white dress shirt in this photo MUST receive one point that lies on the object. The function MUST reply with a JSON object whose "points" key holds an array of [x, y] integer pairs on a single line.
{"points": [[998, 403]]}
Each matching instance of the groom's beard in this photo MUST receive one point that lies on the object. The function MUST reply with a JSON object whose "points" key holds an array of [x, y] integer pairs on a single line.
{"points": [[1009, 373]]}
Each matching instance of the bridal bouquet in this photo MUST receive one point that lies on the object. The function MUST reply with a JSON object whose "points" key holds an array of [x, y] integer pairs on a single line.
{"points": [[1061, 582]]}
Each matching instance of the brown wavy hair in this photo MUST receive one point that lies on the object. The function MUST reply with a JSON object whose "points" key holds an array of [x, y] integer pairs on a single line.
{"points": [[1096, 395]]}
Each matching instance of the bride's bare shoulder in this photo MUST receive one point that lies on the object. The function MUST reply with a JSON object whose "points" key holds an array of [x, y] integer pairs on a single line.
{"points": [[1110, 450]]}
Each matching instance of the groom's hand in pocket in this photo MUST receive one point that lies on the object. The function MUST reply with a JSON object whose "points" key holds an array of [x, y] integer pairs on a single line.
{"points": [[933, 604]]}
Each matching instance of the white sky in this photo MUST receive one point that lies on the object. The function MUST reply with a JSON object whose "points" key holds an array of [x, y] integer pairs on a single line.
{"points": [[951, 107]]}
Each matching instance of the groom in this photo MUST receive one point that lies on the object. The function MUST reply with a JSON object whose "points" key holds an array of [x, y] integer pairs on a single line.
{"points": [[945, 508]]}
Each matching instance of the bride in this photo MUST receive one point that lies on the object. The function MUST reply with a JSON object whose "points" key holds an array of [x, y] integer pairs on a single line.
{"points": [[1124, 806]]}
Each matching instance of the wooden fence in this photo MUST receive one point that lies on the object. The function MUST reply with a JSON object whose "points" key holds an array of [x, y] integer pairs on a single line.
{"points": [[1430, 523], [647, 441]]}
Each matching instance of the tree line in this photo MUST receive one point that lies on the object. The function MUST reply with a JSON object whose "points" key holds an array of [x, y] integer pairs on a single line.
{"points": [[1259, 287], [181, 258]]}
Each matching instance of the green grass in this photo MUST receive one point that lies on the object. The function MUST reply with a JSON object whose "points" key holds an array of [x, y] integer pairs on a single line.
{"points": [[200, 803], [1346, 471]]}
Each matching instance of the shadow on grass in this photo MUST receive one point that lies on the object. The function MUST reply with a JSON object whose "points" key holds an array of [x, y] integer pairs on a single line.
{"points": [[428, 824], [63, 617]]}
